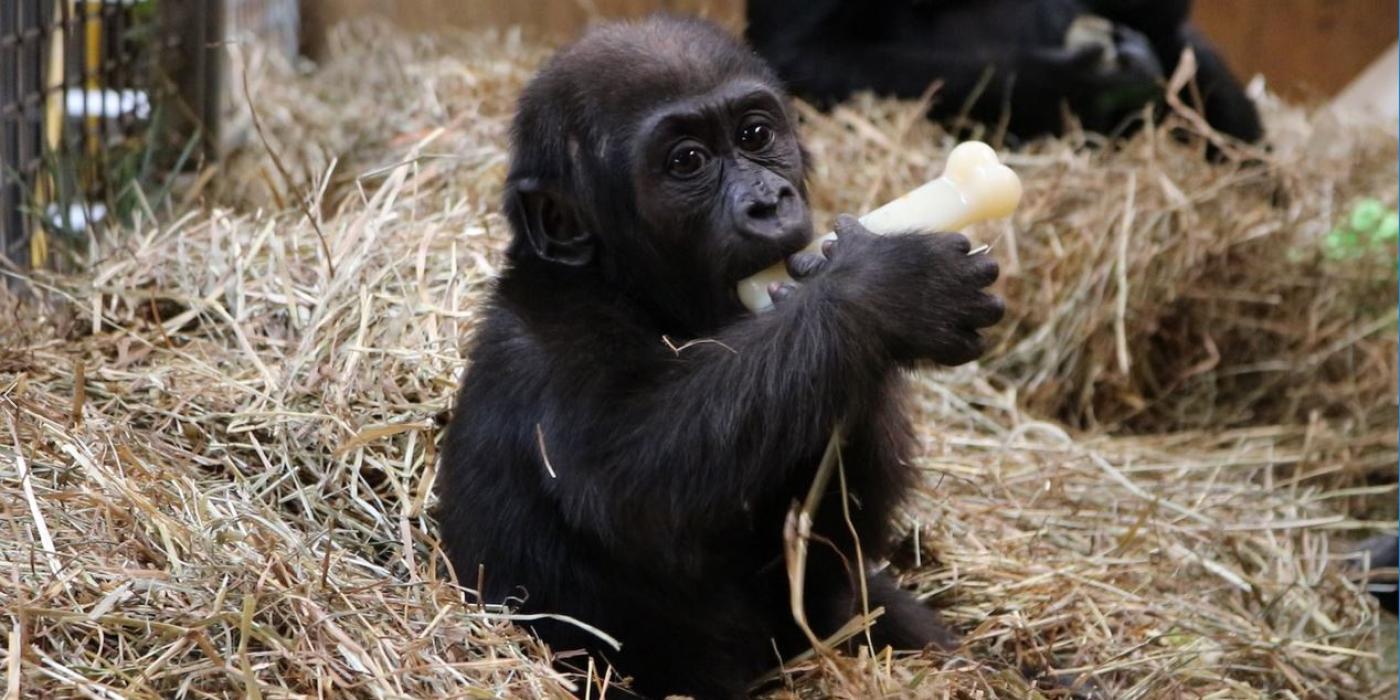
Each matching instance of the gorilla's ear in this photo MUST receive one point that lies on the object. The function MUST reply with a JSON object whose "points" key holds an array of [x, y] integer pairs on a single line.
{"points": [[549, 220]]}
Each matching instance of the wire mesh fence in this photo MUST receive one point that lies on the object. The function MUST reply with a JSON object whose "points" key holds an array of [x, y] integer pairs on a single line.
{"points": [[104, 102]]}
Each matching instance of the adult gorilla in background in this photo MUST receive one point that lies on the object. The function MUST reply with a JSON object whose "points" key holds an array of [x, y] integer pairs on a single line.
{"points": [[628, 439], [1012, 60]]}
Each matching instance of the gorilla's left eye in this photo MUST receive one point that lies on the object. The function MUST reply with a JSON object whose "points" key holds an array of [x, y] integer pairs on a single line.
{"points": [[686, 161], [755, 137]]}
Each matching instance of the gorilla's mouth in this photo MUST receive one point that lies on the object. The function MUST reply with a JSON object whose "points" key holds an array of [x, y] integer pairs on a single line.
{"points": [[757, 254]]}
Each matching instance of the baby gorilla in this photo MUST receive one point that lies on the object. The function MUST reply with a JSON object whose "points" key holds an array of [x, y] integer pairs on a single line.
{"points": [[628, 439]]}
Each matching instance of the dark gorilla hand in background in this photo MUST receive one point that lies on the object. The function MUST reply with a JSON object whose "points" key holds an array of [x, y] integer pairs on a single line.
{"points": [[998, 59]]}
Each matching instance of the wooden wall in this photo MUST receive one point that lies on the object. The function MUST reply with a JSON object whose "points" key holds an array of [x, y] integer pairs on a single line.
{"points": [[553, 18], [1303, 47]]}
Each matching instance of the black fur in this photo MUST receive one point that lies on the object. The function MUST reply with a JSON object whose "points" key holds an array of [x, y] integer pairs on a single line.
{"points": [[628, 439], [828, 49], [1384, 557]]}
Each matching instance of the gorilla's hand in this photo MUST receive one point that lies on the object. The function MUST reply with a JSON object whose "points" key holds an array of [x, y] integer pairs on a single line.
{"points": [[922, 294], [1109, 71]]}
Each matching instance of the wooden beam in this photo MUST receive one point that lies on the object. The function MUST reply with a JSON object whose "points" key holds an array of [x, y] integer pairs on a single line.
{"points": [[555, 19], [1304, 48]]}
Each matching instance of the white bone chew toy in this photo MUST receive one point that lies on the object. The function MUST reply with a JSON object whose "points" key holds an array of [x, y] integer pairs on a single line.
{"points": [[974, 187]]}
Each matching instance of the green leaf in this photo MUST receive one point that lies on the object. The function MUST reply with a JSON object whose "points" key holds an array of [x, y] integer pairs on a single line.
{"points": [[1389, 228], [1367, 214]]}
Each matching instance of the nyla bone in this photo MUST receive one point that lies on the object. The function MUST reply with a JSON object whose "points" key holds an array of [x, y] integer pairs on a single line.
{"points": [[974, 187]]}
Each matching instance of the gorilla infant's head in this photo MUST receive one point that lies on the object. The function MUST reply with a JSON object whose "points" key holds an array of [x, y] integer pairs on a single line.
{"points": [[662, 156]]}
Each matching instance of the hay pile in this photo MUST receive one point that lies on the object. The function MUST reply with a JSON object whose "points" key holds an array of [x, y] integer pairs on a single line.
{"points": [[217, 443]]}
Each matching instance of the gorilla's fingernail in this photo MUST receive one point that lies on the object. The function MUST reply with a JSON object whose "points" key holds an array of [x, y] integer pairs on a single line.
{"points": [[827, 247]]}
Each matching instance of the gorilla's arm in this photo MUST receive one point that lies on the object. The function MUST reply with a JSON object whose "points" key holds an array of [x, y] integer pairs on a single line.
{"points": [[1005, 58], [1165, 23], [671, 447], [1224, 102], [1028, 86], [656, 450], [828, 49]]}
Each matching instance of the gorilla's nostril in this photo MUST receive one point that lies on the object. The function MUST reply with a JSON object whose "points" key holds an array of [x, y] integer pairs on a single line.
{"points": [[761, 210]]}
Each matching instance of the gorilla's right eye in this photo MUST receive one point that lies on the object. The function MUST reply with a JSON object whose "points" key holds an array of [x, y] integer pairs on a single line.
{"points": [[755, 137], [686, 161]]}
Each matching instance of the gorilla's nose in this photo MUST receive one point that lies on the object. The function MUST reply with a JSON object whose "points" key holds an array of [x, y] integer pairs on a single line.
{"points": [[761, 210], [769, 212]]}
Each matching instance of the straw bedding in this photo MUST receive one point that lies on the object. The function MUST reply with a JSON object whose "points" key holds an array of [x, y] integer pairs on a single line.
{"points": [[217, 440]]}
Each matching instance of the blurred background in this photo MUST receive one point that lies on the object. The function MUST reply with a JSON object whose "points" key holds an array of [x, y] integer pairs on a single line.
{"points": [[1305, 48], [102, 98]]}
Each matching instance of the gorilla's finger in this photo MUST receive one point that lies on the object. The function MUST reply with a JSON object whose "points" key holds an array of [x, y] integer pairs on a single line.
{"points": [[828, 246], [780, 291], [983, 270], [847, 225], [956, 242], [959, 349], [986, 310], [803, 265]]}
